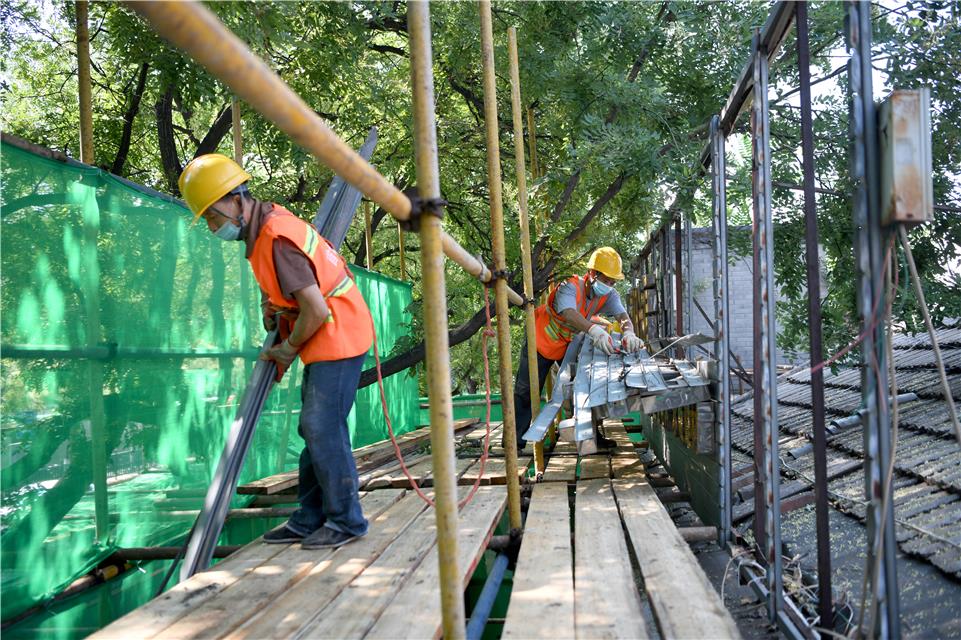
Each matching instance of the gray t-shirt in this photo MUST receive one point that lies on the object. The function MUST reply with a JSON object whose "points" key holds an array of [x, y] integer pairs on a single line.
{"points": [[566, 298]]}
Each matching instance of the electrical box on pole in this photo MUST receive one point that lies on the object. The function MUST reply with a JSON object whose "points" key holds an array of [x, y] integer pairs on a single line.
{"points": [[904, 128]]}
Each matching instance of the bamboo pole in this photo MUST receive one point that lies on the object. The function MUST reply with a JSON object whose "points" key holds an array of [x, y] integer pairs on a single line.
{"points": [[238, 139], [91, 281], [535, 169], [197, 31], [520, 165], [403, 257], [83, 80], [435, 324], [500, 264], [368, 236]]}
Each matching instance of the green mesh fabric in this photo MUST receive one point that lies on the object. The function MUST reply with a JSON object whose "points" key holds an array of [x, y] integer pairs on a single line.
{"points": [[127, 338]]}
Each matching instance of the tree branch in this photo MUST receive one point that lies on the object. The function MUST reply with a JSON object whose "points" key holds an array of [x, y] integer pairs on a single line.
{"points": [[219, 129], [124, 149]]}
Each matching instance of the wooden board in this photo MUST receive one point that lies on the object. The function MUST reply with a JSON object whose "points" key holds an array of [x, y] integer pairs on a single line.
{"points": [[684, 602], [623, 467], [261, 612], [161, 612], [614, 429], [606, 600], [415, 610], [595, 466], [560, 468], [542, 599]]}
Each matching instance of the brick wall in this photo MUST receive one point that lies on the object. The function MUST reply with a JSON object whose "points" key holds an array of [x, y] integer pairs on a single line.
{"points": [[740, 294]]}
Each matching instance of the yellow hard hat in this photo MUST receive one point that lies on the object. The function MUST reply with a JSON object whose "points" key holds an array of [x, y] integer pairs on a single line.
{"points": [[208, 178], [607, 261]]}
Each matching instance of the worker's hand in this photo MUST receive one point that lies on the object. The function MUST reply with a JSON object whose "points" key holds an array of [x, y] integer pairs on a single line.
{"points": [[630, 342], [602, 339], [270, 319], [283, 354]]}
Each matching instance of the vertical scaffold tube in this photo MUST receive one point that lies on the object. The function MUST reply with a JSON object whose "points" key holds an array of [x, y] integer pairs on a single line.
{"points": [[500, 264], [83, 84], [520, 165], [825, 592], [435, 323], [766, 330], [722, 326]]}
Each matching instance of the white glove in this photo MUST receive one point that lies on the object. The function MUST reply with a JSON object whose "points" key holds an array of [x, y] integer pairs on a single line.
{"points": [[602, 339], [630, 342]]}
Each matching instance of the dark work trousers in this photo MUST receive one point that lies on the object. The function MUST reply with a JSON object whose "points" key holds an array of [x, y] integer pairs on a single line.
{"points": [[328, 476], [522, 391]]}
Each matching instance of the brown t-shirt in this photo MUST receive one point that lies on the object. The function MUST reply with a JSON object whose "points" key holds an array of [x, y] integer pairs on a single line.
{"points": [[293, 268]]}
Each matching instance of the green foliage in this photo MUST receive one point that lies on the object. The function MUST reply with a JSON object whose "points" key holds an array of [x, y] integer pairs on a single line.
{"points": [[348, 60]]}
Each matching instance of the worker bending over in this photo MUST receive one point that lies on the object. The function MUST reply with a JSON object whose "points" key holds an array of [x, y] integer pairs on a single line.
{"points": [[324, 320], [568, 311]]}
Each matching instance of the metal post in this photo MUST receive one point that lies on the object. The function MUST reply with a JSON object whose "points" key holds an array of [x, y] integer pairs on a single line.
{"points": [[83, 81], [865, 177], [238, 139], [679, 284], [766, 329], [689, 280], [435, 323], [825, 596], [500, 264], [368, 236], [520, 168], [403, 256], [722, 325]]}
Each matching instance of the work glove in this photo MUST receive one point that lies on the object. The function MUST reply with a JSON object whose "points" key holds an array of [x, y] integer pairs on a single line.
{"points": [[282, 354], [630, 342], [602, 339]]}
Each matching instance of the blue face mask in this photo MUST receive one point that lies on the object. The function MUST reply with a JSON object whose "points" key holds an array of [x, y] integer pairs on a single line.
{"points": [[602, 289], [228, 232]]}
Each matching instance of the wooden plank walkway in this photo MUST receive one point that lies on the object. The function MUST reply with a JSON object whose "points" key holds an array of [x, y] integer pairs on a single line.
{"points": [[589, 589], [385, 585]]}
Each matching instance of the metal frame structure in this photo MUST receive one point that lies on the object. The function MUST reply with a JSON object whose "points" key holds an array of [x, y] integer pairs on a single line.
{"points": [[659, 266]]}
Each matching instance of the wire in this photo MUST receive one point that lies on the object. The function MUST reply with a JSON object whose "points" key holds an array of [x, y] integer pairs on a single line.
{"points": [[919, 292], [488, 332]]}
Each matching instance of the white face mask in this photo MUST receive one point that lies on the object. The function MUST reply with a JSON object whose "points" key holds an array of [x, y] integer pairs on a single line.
{"points": [[602, 289]]}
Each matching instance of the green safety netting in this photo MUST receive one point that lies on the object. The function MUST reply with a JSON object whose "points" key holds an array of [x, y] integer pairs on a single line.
{"points": [[127, 339]]}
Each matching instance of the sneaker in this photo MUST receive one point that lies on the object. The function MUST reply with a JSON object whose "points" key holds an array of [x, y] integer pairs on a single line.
{"points": [[327, 538], [282, 535]]}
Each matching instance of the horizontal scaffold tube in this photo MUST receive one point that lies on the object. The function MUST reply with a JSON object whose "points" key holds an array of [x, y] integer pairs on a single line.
{"points": [[198, 32]]}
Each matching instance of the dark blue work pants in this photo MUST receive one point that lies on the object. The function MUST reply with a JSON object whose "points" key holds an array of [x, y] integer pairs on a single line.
{"points": [[328, 476]]}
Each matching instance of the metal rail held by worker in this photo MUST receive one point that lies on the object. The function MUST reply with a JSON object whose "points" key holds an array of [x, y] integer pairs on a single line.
{"points": [[198, 32], [500, 264], [520, 168], [435, 324]]}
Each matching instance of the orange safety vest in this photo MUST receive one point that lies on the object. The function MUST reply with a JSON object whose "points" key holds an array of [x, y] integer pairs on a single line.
{"points": [[554, 333], [348, 330]]}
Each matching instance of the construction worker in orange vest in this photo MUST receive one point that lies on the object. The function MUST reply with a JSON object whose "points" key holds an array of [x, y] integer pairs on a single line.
{"points": [[324, 320], [569, 309]]}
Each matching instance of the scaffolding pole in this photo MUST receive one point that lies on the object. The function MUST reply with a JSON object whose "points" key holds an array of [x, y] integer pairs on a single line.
{"points": [[825, 594], [520, 166], [435, 323], [368, 237], [198, 32], [722, 326], [869, 258], [500, 264], [766, 331]]}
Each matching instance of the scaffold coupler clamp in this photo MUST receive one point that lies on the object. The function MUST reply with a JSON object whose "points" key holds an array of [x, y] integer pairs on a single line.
{"points": [[420, 207]]}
